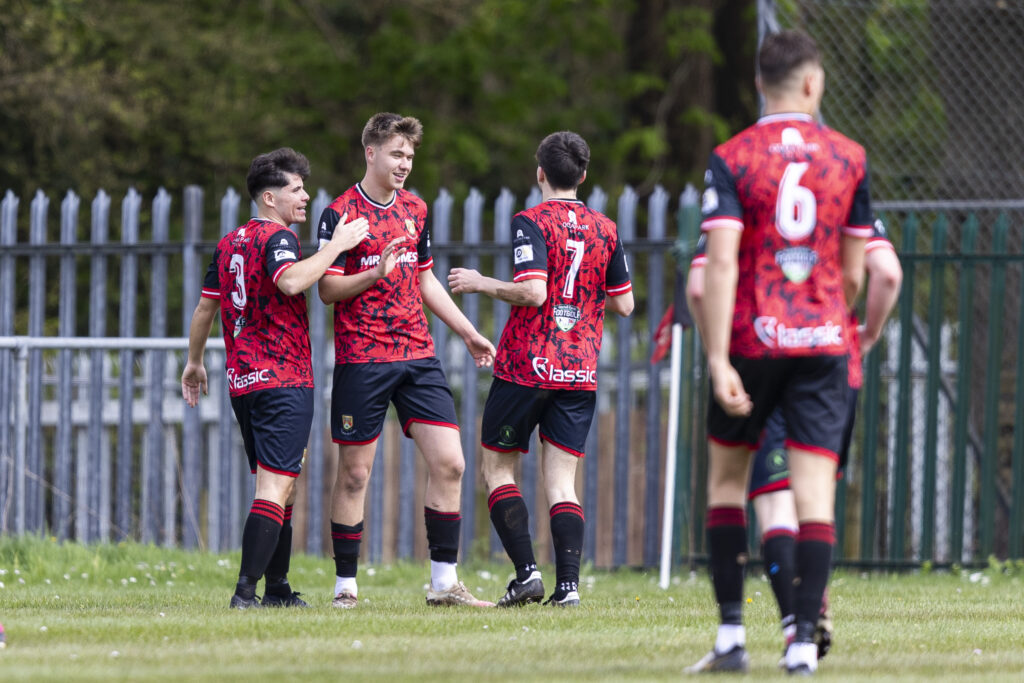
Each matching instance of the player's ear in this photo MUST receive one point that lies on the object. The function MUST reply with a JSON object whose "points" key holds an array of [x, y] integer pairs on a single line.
{"points": [[369, 154], [540, 176], [267, 197], [582, 177]]}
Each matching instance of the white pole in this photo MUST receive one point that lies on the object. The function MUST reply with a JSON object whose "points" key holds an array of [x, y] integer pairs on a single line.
{"points": [[670, 457]]}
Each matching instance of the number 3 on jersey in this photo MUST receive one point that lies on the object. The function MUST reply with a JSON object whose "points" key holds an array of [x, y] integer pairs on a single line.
{"points": [[575, 249], [796, 209], [237, 268]]}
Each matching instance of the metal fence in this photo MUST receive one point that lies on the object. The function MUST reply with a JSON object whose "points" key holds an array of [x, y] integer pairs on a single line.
{"points": [[937, 466], [930, 87], [96, 443]]}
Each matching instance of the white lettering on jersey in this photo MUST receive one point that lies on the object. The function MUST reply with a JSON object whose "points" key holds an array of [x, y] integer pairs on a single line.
{"points": [[372, 261], [543, 369], [775, 335], [524, 253], [239, 382]]}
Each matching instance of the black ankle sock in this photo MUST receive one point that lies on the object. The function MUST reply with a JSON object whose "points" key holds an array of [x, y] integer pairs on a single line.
{"points": [[567, 527], [780, 566], [813, 564], [727, 545], [277, 569], [259, 538], [511, 520], [346, 541], [443, 534]]}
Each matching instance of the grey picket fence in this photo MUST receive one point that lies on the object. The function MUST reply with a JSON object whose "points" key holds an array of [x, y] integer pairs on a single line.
{"points": [[97, 445]]}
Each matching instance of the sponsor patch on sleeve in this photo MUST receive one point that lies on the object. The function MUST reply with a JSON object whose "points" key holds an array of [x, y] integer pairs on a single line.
{"points": [[524, 253], [284, 254]]}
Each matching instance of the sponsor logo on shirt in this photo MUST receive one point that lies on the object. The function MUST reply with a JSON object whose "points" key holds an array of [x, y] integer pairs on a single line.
{"points": [[410, 225], [239, 326], [566, 316], [793, 145], [283, 242], [709, 202], [372, 261], [281, 254], [543, 369], [776, 335], [796, 263], [524, 253], [239, 382]]}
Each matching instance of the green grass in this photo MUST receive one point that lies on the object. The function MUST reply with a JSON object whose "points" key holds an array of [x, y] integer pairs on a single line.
{"points": [[146, 613]]}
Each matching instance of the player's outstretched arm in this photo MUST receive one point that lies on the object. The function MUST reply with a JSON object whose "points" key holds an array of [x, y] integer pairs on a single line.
{"points": [[532, 292], [885, 277], [334, 288], [193, 378], [300, 276], [440, 304]]}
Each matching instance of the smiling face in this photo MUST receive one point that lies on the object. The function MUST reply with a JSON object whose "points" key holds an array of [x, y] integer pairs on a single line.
{"points": [[389, 164], [288, 202]]}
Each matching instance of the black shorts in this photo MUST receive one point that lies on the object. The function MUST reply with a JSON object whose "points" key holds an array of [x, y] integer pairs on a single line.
{"points": [[275, 426], [513, 410], [362, 392], [811, 392]]}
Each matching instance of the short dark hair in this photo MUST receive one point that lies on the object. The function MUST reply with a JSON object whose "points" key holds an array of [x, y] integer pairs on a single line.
{"points": [[268, 170], [383, 126], [564, 157], [783, 53]]}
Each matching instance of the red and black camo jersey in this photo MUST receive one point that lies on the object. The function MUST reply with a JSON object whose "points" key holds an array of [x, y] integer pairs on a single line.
{"points": [[578, 252], [266, 332], [792, 186], [854, 368], [386, 322]]}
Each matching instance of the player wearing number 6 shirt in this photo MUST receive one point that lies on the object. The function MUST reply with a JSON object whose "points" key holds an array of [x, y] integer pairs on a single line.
{"points": [[257, 282], [384, 354], [569, 265], [786, 212]]}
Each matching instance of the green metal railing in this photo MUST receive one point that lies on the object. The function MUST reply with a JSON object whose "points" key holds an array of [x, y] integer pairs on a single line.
{"points": [[937, 468]]}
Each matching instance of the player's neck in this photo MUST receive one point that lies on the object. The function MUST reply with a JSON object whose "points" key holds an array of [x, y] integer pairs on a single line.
{"points": [[789, 106], [264, 213], [548, 193], [378, 193]]}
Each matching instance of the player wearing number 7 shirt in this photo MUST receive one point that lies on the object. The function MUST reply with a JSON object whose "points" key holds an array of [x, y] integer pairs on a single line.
{"points": [[257, 282], [787, 213], [569, 267]]}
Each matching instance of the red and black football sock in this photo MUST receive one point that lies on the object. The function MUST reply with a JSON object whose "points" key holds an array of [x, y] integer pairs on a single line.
{"points": [[346, 540], [511, 519], [567, 536], [779, 550], [727, 546], [443, 534], [259, 539], [277, 569], [813, 564]]}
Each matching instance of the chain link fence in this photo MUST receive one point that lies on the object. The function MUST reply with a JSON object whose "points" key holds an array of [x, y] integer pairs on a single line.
{"points": [[931, 88]]}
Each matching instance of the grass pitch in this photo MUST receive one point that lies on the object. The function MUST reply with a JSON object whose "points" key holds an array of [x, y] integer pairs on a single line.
{"points": [[132, 612]]}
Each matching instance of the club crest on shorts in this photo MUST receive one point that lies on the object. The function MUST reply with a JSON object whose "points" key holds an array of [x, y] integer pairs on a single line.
{"points": [[565, 316], [507, 436], [410, 225], [347, 423]]}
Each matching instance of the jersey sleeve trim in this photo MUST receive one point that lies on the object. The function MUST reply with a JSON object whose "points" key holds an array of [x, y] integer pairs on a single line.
{"points": [[426, 265], [209, 294], [280, 271], [859, 230], [530, 275], [334, 270], [878, 243], [699, 261], [620, 289], [722, 222]]}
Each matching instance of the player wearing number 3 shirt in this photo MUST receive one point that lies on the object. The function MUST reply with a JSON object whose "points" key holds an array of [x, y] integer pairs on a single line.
{"points": [[257, 281], [786, 213], [569, 266]]}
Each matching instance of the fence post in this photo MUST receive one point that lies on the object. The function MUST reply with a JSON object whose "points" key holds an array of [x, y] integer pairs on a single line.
{"points": [[8, 237], [656, 215], [99, 477], [151, 475], [935, 320], [626, 220], [900, 480], [993, 364], [36, 316], [472, 227], [1016, 544], [128, 297], [63, 446], [597, 201], [190, 480], [321, 371], [230, 466], [963, 393]]}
